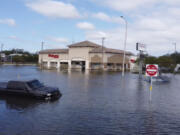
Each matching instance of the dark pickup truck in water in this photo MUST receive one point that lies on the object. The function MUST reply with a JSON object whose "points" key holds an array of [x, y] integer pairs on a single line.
{"points": [[31, 88]]}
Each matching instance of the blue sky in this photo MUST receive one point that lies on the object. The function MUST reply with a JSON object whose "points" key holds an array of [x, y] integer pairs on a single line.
{"points": [[26, 23]]}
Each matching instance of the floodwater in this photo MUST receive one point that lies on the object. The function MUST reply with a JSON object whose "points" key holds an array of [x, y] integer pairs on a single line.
{"points": [[92, 104]]}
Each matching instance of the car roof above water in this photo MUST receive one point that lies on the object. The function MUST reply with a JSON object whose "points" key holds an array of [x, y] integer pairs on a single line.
{"points": [[26, 81], [22, 81]]}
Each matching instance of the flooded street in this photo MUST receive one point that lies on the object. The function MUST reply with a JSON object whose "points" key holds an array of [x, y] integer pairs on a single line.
{"points": [[92, 104]]}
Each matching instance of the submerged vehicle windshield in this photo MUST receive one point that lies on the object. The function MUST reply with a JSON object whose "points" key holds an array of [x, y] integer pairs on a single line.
{"points": [[35, 84]]}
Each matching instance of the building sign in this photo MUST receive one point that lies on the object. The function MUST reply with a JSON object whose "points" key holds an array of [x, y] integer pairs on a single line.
{"points": [[53, 56], [140, 47], [133, 61], [151, 70]]}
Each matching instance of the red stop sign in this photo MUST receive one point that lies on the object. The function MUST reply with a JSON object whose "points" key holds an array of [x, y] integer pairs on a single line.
{"points": [[151, 70]]}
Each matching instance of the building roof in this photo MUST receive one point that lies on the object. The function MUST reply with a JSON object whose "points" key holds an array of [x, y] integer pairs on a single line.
{"points": [[109, 50], [84, 44], [96, 49], [54, 51]]}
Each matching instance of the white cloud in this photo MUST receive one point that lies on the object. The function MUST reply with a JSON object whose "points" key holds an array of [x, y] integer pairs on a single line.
{"points": [[104, 17], [13, 37], [53, 8], [129, 5], [171, 2], [85, 26], [59, 40], [174, 12], [95, 35], [10, 22], [125, 5], [152, 22], [154, 30]]}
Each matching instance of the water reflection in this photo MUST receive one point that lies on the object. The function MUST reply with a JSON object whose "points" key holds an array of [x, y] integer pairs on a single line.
{"points": [[18, 103], [21, 103], [95, 103]]}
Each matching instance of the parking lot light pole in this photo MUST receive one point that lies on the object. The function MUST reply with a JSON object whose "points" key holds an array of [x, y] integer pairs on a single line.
{"points": [[1, 52], [175, 52], [125, 40]]}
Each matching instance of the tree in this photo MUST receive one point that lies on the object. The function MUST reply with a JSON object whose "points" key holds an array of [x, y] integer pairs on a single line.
{"points": [[26, 57], [150, 60], [165, 61]]}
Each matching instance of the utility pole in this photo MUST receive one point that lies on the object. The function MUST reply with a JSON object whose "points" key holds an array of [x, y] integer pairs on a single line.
{"points": [[42, 48], [1, 52], [175, 52], [175, 47], [103, 38]]}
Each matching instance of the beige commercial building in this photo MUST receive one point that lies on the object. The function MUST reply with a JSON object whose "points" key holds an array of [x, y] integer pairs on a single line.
{"points": [[84, 55]]}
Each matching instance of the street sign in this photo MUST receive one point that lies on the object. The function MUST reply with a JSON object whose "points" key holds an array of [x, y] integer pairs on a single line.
{"points": [[53, 56], [140, 47], [151, 70]]}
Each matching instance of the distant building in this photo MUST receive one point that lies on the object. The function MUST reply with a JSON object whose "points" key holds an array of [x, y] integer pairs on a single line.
{"points": [[15, 54], [85, 55], [2, 57], [133, 65], [8, 58]]}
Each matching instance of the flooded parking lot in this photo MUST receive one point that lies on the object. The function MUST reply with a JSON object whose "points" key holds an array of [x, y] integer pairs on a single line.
{"points": [[92, 104]]}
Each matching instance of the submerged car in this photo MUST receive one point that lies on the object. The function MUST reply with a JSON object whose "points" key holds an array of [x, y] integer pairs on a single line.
{"points": [[32, 88]]}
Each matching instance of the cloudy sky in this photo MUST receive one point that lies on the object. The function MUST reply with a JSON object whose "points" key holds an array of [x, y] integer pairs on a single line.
{"points": [[26, 23]]}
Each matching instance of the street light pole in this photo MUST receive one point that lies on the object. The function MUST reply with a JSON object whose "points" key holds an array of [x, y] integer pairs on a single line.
{"points": [[175, 46], [175, 52], [125, 40], [1, 52]]}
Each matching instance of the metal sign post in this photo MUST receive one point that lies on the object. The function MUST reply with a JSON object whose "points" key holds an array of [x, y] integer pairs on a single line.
{"points": [[141, 48], [151, 71], [150, 97]]}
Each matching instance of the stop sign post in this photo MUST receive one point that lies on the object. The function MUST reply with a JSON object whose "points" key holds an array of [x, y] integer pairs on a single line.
{"points": [[152, 71]]}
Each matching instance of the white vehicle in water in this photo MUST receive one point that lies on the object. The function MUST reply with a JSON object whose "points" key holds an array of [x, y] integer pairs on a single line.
{"points": [[177, 68], [159, 78]]}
